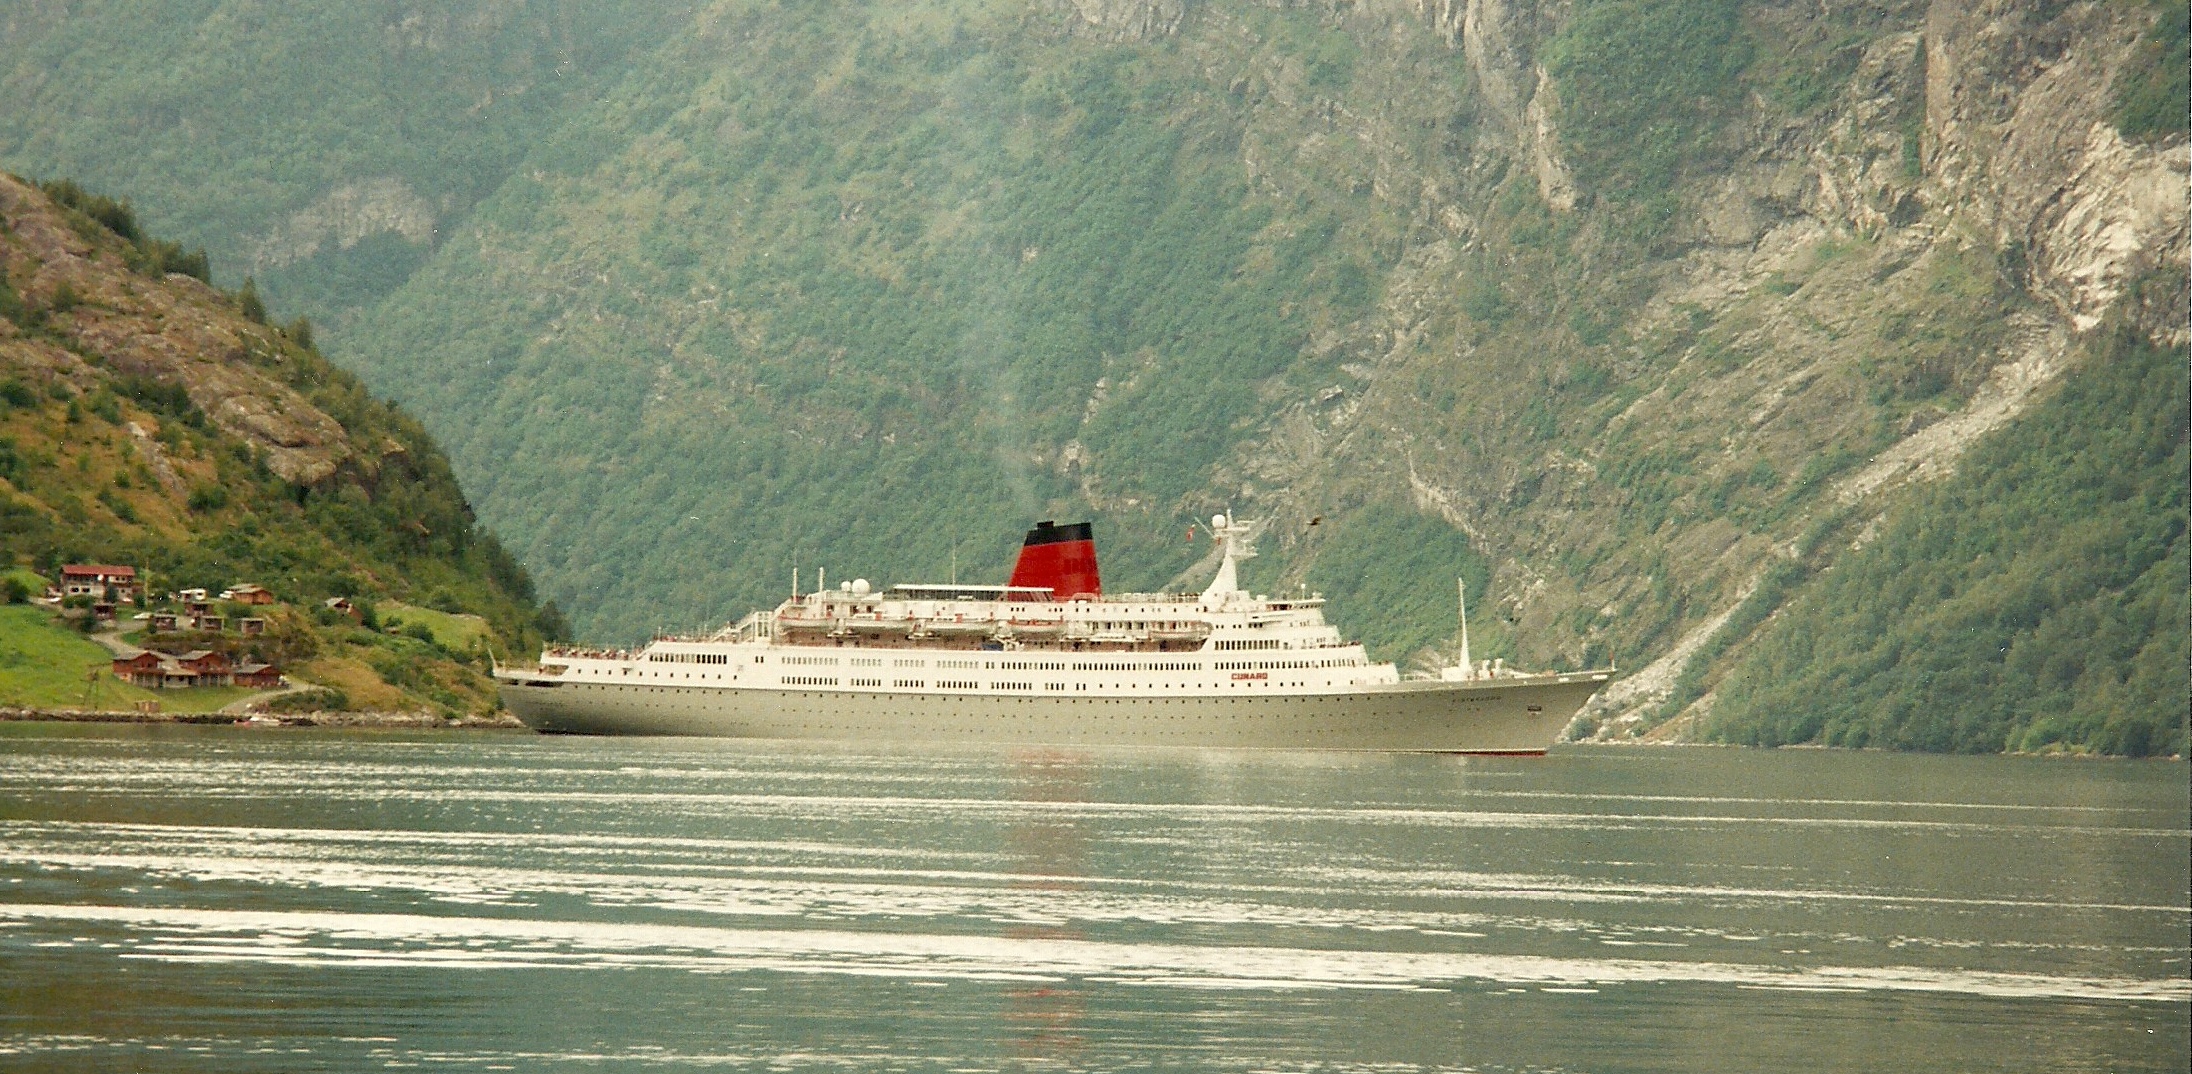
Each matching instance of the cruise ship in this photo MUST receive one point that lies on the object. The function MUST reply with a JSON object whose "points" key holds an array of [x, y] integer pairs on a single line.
{"points": [[1047, 659]]}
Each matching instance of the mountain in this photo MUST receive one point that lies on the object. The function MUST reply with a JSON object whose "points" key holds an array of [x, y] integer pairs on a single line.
{"points": [[1655, 320], [149, 419]]}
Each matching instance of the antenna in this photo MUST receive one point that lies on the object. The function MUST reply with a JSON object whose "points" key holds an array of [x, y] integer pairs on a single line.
{"points": [[91, 685], [1461, 587]]}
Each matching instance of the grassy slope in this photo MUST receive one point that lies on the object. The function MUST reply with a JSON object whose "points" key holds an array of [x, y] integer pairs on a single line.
{"points": [[43, 665], [455, 632]]}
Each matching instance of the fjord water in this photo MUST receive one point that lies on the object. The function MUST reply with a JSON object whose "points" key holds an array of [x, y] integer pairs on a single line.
{"points": [[193, 899]]}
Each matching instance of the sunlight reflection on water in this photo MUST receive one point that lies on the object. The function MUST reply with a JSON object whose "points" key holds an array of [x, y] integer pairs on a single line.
{"points": [[491, 902]]}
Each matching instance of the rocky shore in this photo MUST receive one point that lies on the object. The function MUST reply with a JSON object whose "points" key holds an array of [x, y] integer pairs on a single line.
{"points": [[500, 721]]}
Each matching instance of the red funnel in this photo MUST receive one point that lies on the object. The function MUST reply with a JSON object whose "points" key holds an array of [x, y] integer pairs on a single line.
{"points": [[1061, 557]]}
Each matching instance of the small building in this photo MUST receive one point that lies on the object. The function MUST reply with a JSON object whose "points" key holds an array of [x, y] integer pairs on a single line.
{"points": [[164, 623], [251, 626], [210, 624], [200, 667], [340, 606], [191, 596], [257, 676], [102, 610], [99, 581], [209, 667], [248, 593], [145, 669], [201, 606]]}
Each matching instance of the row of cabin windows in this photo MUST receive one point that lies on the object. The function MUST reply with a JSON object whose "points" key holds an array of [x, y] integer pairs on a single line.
{"points": [[970, 684], [876, 662], [1027, 665]]}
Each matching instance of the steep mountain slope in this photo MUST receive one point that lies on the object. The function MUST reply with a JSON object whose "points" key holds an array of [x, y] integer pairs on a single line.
{"points": [[148, 419], [1620, 305], [2012, 604], [323, 147]]}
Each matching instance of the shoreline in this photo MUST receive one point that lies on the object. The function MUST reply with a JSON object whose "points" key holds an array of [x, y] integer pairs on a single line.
{"points": [[418, 720], [503, 721]]}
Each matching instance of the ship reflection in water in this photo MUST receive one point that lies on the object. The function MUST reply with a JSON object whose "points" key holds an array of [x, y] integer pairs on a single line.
{"points": [[188, 899], [1044, 1020]]}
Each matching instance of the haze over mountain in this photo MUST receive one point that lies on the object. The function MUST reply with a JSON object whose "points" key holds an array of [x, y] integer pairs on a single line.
{"points": [[1825, 356]]}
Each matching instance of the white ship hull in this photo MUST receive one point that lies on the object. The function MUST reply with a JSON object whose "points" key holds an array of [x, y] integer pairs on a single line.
{"points": [[1014, 665], [1506, 716]]}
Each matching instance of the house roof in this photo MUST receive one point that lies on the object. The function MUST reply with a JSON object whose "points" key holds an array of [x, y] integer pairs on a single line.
{"points": [[97, 569], [253, 669]]}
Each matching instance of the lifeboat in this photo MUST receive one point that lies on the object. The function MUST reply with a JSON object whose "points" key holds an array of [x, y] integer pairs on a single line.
{"points": [[880, 625], [960, 628]]}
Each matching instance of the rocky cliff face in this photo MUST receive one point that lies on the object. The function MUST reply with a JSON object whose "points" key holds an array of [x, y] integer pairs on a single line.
{"points": [[175, 329], [1963, 182]]}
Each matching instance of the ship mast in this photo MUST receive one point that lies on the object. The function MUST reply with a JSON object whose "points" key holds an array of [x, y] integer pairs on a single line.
{"points": [[1461, 586], [1236, 535]]}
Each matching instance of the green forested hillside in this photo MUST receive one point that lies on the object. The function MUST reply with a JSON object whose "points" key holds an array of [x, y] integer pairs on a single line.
{"points": [[865, 326], [2022, 604], [1607, 305]]}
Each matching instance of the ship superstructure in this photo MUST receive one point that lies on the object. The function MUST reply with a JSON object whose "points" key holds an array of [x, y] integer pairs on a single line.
{"points": [[1048, 658]]}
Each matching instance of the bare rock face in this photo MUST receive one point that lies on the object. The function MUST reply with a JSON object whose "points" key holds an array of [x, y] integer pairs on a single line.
{"points": [[1125, 20], [2021, 146], [1495, 59], [177, 330], [1866, 177], [346, 216], [1554, 184], [1518, 92]]}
